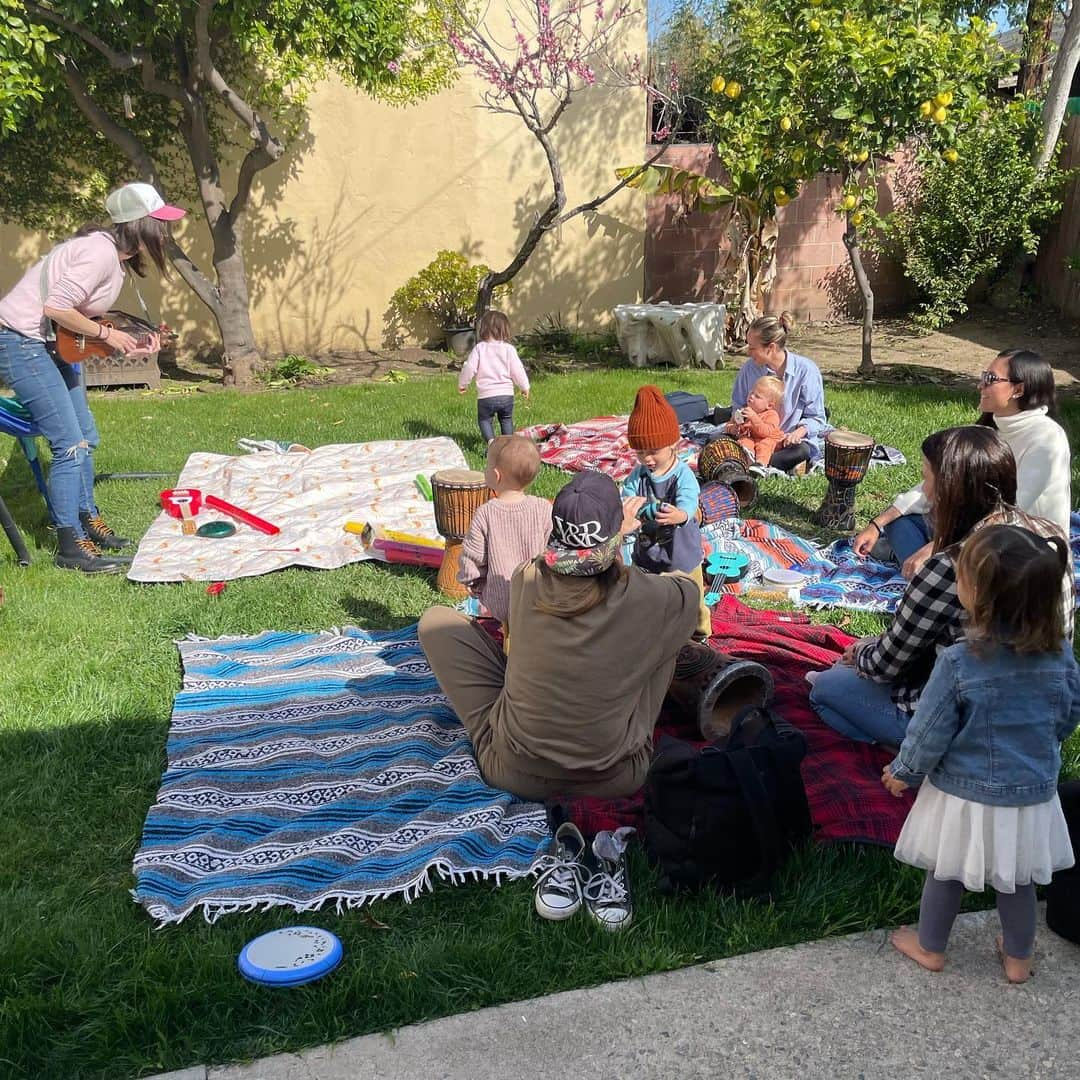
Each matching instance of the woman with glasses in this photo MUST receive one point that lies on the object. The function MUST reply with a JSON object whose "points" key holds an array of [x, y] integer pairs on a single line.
{"points": [[1017, 398]]}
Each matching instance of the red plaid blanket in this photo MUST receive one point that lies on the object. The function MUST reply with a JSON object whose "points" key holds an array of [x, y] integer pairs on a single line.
{"points": [[842, 777], [593, 444]]}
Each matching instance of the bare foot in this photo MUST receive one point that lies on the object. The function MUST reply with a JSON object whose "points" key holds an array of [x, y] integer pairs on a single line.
{"points": [[1016, 971], [906, 940]]}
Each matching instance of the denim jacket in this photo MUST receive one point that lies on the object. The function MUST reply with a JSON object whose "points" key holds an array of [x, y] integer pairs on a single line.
{"points": [[989, 727]]}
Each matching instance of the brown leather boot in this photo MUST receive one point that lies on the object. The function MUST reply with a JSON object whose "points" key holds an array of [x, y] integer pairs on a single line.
{"points": [[710, 687]]}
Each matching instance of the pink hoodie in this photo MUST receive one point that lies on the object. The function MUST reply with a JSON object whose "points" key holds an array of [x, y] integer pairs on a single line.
{"points": [[496, 367]]}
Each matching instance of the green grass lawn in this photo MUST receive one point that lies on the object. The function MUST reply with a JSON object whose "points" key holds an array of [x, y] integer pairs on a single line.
{"points": [[87, 675]]}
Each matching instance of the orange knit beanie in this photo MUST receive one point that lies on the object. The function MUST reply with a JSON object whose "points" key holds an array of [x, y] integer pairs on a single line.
{"points": [[653, 422]]}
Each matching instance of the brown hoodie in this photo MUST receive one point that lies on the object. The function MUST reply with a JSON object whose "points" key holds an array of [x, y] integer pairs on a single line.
{"points": [[582, 694]]}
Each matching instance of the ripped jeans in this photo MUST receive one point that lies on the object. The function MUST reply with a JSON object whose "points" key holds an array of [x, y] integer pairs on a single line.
{"points": [[54, 394]]}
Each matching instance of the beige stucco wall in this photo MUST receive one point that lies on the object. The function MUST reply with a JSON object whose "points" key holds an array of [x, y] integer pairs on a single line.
{"points": [[369, 193]]}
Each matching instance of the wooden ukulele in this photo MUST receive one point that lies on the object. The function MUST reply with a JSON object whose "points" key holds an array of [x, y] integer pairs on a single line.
{"points": [[74, 348]]}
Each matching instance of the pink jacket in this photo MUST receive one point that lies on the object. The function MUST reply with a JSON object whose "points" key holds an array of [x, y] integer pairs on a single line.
{"points": [[85, 274], [496, 367]]}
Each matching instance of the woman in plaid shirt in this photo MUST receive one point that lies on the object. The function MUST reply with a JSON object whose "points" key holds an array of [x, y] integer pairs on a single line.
{"points": [[969, 478]]}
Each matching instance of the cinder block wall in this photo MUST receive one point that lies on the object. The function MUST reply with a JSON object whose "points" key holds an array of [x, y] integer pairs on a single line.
{"points": [[683, 252]]}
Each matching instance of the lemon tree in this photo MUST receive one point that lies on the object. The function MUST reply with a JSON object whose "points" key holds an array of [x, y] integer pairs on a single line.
{"points": [[830, 86]]}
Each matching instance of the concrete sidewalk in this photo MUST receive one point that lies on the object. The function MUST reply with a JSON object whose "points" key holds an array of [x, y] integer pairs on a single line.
{"points": [[845, 1007]]}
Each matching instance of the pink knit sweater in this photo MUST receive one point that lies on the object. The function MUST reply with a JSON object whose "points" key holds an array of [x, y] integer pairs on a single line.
{"points": [[497, 369], [502, 536]]}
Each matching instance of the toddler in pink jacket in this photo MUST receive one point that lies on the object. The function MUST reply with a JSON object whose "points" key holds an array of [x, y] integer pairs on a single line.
{"points": [[497, 368]]}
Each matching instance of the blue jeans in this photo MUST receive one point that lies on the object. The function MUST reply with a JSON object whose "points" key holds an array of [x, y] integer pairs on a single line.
{"points": [[53, 393], [858, 708], [502, 407], [906, 535]]}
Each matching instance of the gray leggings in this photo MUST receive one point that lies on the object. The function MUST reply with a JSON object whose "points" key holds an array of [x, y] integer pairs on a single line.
{"points": [[941, 903]]}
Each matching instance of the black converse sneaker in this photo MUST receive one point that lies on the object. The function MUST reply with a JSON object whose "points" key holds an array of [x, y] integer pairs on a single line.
{"points": [[607, 892], [558, 888]]}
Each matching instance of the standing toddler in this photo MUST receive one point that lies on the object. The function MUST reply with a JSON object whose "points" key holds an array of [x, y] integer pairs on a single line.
{"points": [[663, 493], [508, 530], [984, 746], [497, 368]]}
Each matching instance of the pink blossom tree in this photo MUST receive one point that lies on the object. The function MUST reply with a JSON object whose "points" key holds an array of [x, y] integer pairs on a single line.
{"points": [[557, 52]]}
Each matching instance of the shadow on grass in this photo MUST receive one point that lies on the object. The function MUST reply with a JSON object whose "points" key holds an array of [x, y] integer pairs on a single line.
{"points": [[92, 990]]}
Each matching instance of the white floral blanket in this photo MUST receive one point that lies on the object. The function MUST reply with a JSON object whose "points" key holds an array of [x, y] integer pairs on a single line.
{"points": [[309, 496]]}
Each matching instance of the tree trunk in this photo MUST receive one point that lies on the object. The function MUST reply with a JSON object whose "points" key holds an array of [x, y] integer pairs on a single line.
{"points": [[241, 359], [851, 242], [1057, 94], [1035, 58]]}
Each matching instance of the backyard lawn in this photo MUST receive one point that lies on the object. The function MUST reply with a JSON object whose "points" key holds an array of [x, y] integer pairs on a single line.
{"points": [[88, 671]]}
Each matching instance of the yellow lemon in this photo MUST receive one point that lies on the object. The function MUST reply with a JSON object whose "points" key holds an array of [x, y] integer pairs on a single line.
{"points": [[782, 197], [849, 202], [944, 98], [785, 123], [858, 218], [815, 25], [950, 155], [733, 89], [939, 115], [862, 155], [718, 84], [926, 108]]}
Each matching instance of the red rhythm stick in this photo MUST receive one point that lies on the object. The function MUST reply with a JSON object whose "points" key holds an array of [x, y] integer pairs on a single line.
{"points": [[245, 516]]}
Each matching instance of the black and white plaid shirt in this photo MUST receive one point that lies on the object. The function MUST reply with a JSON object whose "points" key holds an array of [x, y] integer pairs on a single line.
{"points": [[930, 617]]}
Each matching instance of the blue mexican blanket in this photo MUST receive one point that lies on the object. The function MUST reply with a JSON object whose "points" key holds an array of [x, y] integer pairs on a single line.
{"points": [[306, 769]]}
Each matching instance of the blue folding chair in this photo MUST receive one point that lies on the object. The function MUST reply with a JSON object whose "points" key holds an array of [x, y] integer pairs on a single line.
{"points": [[15, 420]]}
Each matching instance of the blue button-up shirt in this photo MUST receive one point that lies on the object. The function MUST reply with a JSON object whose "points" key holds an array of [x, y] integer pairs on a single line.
{"points": [[804, 396]]}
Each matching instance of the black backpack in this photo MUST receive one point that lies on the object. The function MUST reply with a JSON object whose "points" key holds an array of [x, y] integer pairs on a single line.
{"points": [[1063, 892], [727, 814]]}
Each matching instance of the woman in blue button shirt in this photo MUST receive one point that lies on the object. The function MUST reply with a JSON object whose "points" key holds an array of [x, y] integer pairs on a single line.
{"points": [[802, 414]]}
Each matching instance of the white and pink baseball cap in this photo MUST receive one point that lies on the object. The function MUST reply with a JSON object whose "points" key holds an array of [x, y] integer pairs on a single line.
{"points": [[134, 201]]}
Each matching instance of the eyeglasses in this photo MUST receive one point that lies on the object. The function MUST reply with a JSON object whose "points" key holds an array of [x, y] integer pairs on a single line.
{"points": [[988, 378]]}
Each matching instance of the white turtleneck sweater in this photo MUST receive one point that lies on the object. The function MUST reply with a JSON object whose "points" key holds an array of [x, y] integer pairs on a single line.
{"points": [[1041, 449]]}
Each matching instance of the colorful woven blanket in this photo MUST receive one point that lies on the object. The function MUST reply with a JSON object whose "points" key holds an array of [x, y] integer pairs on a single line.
{"points": [[842, 777], [598, 444], [313, 768]]}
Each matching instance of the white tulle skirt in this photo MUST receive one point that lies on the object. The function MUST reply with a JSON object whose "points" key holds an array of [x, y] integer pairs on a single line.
{"points": [[980, 845]]}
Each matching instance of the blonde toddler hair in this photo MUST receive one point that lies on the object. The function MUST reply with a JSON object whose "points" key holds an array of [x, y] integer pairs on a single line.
{"points": [[769, 386], [516, 457]]}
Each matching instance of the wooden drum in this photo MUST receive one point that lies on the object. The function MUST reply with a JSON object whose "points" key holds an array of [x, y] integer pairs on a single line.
{"points": [[847, 456], [456, 494]]}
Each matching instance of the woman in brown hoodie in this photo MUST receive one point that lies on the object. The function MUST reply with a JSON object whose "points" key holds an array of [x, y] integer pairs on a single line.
{"points": [[571, 710]]}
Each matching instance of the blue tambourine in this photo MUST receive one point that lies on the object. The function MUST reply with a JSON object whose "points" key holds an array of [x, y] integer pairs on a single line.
{"points": [[290, 957], [729, 565]]}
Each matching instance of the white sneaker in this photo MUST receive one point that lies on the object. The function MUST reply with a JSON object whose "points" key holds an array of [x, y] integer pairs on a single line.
{"points": [[607, 892], [558, 889]]}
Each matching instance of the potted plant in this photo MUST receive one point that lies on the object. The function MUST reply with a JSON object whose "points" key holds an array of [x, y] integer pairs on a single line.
{"points": [[446, 290]]}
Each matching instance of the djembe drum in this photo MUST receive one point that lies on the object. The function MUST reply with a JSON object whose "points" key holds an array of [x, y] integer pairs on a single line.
{"points": [[456, 494], [724, 461], [847, 457]]}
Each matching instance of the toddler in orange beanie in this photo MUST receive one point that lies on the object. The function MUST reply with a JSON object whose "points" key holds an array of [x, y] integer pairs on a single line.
{"points": [[663, 493]]}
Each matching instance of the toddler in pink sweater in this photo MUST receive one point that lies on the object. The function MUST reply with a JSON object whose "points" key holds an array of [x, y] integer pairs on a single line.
{"points": [[508, 530], [497, 368]]}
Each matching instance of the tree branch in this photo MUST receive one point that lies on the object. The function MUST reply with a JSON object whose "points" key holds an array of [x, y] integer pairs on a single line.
{"points": [[195, 279], [118, 60], [592, 204], [116, 133], [241, 109], [255, 160]]}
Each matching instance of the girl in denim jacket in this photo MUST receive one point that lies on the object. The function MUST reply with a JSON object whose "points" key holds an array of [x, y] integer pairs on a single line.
{"points": [[984, 746]]}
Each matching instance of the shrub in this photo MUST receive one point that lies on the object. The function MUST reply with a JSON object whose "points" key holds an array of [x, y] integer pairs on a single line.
{"points": [[959, 222], [445, 289], [291, 369]]}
